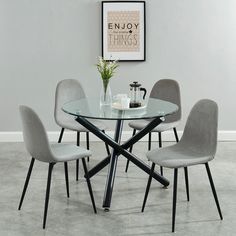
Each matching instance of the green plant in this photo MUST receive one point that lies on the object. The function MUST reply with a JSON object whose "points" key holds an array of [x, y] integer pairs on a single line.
{"points": [[106, 70]]}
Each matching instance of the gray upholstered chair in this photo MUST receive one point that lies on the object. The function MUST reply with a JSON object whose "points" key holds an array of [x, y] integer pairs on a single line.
{"points": [[37, 144], [197, 146], [69, 90], [168, 90]]}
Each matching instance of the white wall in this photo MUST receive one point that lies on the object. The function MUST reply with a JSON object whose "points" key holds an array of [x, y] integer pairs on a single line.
{"points": [[43, 42]]}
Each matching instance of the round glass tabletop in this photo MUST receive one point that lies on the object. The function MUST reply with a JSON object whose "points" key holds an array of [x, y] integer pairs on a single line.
{"points": [[90, 108]]}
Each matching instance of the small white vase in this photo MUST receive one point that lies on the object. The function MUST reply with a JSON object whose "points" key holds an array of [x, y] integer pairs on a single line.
{"points": [[105, 96]]}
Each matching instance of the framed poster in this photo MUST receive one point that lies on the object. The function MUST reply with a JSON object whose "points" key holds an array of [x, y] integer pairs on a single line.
{"points": [[123, 30]]}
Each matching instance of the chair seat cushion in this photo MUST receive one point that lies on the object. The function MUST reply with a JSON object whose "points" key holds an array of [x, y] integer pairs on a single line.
{"points": [[71, 124], [68, 152], [140, 124], [178, 155]]}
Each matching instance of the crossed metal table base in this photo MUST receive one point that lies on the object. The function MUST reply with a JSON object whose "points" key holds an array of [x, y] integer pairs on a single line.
{"points": [[119, 149]]}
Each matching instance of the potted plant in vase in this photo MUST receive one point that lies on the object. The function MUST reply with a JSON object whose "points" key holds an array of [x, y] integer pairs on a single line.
{"points": [[106, 70]]}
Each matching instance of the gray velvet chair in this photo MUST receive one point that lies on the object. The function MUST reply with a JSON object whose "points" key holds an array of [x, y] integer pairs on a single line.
{"points": [[37, 144], [68, 90], [168, 90], [197, 146]]}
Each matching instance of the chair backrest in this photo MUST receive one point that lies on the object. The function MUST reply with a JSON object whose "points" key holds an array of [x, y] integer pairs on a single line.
{"points": [[67, 90], [200, 133], [168, 90], [35, 136]]}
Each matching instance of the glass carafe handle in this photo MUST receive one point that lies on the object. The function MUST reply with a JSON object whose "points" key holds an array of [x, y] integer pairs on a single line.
{"points": [[145, 91]]}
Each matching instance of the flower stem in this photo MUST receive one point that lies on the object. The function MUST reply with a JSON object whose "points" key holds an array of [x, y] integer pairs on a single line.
{"points": [[105, 84]]}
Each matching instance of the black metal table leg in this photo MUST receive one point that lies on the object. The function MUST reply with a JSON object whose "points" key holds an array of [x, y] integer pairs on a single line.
{"points": [[98, 167], [121, 150], [112, 168], [130, 150]]}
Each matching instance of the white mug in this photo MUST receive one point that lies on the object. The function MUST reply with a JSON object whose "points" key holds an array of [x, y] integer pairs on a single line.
{"points": [[124, 102], [118, 97]]}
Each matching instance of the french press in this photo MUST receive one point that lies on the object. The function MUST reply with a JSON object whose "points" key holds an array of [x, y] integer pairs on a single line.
{"points": [[135, 94]]}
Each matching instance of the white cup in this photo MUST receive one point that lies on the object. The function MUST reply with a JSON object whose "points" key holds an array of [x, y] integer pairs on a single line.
{"points": [[124, 102], [118, 97]]}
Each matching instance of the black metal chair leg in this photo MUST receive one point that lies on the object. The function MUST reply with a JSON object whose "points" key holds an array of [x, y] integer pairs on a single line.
{"points": [[77, 170], [89, 185], [160, 146], [106, 145], [77, 161], [176, 135], [67, 179], [26, 182], [213, 190], [65, 165], [130, 149], [160, 139], [87, 143], [161, 170], [127, 166], [186, 181], [61, 134], [149, 140], [148, 186], [174, 199], [47, 193]]}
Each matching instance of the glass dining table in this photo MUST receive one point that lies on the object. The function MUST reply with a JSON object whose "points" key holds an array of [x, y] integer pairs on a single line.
{"points": [[87, 109]]}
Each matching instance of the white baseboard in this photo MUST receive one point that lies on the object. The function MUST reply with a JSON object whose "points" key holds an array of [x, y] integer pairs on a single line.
{"points": [[69, 136]]}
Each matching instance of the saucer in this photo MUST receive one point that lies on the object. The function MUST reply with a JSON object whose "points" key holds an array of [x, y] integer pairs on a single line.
{"points": [[118, 106]]}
